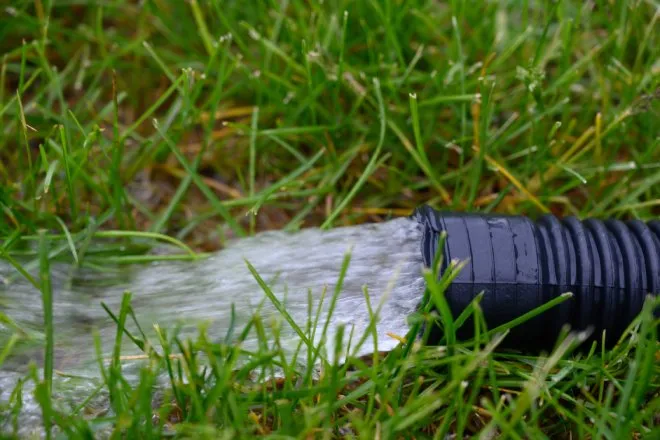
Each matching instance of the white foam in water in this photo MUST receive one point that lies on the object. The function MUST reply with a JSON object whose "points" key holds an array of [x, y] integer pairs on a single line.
{"points": [[385, 257]]}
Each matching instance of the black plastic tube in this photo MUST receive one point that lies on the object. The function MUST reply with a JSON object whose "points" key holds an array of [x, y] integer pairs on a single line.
{"points": [[609, 266]]}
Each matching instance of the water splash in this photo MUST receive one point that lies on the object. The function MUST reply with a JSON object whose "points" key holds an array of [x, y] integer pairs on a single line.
{"points": [[385, 258]]}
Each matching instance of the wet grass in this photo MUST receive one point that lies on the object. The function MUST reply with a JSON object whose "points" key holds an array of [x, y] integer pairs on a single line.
{"points": [[200, 121]]}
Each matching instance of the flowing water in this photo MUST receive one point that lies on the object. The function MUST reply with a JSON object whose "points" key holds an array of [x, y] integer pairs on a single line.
{"points": [[385, 257]]}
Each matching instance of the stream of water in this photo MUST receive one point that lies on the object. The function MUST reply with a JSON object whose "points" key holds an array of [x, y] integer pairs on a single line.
{"points": [[385, 257]]}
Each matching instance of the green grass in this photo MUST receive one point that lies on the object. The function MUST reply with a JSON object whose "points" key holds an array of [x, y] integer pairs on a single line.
{"points": [[200, 121]]}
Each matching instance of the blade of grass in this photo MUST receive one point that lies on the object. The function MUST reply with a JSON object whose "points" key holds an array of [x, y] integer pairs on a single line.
{"points": [[47, 302], [217, 204], [371, 166]]}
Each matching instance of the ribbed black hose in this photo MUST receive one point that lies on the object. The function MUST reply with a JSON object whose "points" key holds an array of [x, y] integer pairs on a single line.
{"points": [[610, 266]]}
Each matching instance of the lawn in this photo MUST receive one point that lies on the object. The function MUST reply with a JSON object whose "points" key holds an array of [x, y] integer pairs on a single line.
{"points": [[201, 121]]}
